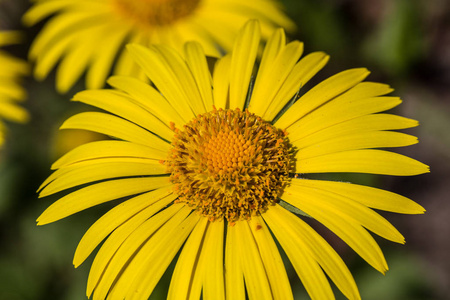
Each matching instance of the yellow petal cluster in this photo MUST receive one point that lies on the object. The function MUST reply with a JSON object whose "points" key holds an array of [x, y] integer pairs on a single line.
{"points": [[336, 126], [11, 91]]}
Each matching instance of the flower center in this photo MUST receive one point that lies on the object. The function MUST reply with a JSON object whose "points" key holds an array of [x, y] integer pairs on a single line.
{"points": [[229, 164], [155, 12]]}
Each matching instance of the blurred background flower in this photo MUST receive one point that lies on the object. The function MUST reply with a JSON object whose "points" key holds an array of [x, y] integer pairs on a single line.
{"points": [[11, 90], [90, 36], [405, 43]]}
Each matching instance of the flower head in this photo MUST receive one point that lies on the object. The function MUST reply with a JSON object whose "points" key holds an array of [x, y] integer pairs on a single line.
{"points": [[11, 92], [202, 163], [79, 32]]}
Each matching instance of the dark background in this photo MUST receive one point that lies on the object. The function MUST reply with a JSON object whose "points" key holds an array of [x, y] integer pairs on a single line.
{"points": [[405, 43]]}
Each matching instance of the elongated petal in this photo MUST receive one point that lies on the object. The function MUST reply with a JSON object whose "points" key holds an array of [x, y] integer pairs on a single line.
{"points": [[105, 55], [182, 77], [118, 215], [107, 149], [159, 257], [158, 71], [291, 228], [13, 112], [221, 81], [242, 62], [117, 127], [362, 161], [356, 141], [99, 193], [148, 98], [299, 253], [117, 237], [345, 206], [255, 276], [335, 112], [76, 175], [368, 196], [320, 94], [140, 249], [186, 270], [123, 106], [266, 90], [358, 125], [234, 276], [120, 263], [273, 263], [196, 60], [346, 228], [302, 72]]}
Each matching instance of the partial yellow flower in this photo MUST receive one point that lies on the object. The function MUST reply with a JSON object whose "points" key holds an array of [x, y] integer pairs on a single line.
{"points": [[202, 161], [11, 91], [89, 35]]}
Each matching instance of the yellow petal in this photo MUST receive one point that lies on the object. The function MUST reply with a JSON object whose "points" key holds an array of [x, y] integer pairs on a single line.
{"points": [[118, 236], [80, 174], [300, 255], [105, 54], [61, 27], [368, 196], [196, 60], [163, 77], [117, 127], [107, 149], [212, 253], [148, 98], [126, 65], [125, 256], [346, 228], [242, 61], [274, 45], [13, 112], [121, 105], [256, 281], [221, 82], [186, 269], [337, 111], [273, 263], [234, 277], [191, 31], [362, 161], [302, 72], [361, 140], [362, 124], [159, 256], [44, 9], [267, 88], [351, 209], [10, 37], [182, 77], [10, 89], [99, 193], [148, 253], [320, 94], [78, 59], [292, 228], [117, 216]]}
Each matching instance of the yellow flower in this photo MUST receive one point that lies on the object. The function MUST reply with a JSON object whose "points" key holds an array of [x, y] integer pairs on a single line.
{"points": [[89, 35], [11, 92], [213, 193]]}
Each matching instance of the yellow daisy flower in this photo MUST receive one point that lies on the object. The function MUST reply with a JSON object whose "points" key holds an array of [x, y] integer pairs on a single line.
{"points": [[201, 162], [11, 92], [79, 33]]}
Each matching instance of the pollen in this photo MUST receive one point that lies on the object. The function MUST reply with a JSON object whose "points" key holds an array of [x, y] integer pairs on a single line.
{"points": [[155, 12], [229, 164]]}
